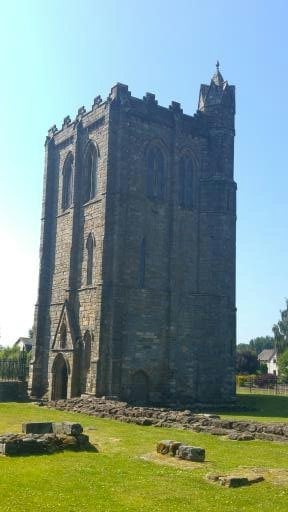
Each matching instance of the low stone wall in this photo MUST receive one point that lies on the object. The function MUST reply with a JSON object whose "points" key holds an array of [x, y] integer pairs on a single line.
{"points": [[45, 438], [13, 391], [163, 417]]}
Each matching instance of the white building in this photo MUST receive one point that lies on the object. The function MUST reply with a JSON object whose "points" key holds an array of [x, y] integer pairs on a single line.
{"points": [[269, 357]]}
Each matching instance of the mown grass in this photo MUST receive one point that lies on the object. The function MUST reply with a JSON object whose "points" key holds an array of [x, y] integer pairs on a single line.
{"points": [[261, 407], [118, 479]]}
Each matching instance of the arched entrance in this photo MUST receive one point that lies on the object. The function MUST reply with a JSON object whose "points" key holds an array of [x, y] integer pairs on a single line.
{"points": [[60, 378], [140, 388]]}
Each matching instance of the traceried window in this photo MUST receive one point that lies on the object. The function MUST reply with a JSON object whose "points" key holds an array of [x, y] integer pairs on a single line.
{"points": [[155, 174], [90, 172], [186, 185], [90, 256], [67, 182], [142, 264]]}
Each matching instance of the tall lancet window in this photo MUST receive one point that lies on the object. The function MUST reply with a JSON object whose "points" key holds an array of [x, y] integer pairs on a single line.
{"points": [[87, 349], [67, 182], [63, 335], [90, 172], [186, 178], [90, 256], [142, 263], [155, 174]]}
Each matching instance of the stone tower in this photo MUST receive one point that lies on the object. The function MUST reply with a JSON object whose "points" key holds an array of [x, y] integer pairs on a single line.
{"points": [[137, 273]]}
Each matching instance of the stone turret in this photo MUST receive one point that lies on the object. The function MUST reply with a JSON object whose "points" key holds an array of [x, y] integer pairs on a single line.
{"points": [[218, 94]]}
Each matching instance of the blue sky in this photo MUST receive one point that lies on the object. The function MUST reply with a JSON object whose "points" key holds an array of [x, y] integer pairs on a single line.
{"points": [[57, 56]]}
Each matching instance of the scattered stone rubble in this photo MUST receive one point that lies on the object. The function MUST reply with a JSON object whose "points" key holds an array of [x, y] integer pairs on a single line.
{"points": [[162, 417], [176, 449], [45, 438]]}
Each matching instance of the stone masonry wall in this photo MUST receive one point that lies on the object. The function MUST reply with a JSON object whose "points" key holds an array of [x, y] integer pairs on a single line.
{"points": [[179, 330], [161, 321]]}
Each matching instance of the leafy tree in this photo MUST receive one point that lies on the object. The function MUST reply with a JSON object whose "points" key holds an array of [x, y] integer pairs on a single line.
{"points": [[242, 346], [263, 368], [283, 365], [280, 331], [261, 343], [246, 361], [12, 353]]}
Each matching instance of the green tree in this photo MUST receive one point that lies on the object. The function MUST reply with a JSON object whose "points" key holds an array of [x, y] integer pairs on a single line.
{"points": [[283, 365], [280, 331], [261, 343], [263, 368], [246, 361], [242, 346], [12, 353]]}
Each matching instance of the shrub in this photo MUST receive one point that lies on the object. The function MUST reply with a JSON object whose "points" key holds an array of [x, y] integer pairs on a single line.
{"points": [[267, 380]]}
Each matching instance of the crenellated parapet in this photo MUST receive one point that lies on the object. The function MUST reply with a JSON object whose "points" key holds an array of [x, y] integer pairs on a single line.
{"points": [[147, 107]]}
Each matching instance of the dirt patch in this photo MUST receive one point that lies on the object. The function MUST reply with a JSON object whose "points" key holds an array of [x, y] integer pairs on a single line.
{"points": [[157, 458], [277, 476]]}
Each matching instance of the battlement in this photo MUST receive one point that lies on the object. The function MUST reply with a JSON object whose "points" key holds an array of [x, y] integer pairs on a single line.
{"points": [[120, 97], [219, 94]]}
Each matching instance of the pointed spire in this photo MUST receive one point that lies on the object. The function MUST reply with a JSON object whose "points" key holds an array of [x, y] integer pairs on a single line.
{"points": [[219, 92], [217, 78]]}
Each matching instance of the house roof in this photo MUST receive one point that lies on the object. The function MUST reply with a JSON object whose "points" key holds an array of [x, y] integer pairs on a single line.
{"points": [[267, 355], [27, 342]]}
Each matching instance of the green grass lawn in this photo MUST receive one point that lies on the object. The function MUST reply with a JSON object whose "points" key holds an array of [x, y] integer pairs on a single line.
{"points": [[119, 479], [261, 407]]}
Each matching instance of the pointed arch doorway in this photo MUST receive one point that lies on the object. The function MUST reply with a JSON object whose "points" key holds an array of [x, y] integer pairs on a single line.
{"points": [[60, 378]]}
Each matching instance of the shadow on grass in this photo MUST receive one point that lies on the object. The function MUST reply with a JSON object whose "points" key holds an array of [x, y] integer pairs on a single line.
{"points": [[269, 406]]}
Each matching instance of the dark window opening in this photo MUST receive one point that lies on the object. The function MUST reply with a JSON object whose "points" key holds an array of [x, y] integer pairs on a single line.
{"points": [[90, 173], [67, 184], [87, 349], [90, 254], [155, 174], [142, 264], [63, 336]]}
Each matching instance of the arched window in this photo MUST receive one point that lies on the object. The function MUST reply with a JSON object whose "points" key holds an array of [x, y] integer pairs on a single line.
{"points": [[63, 335], [155, 174], [186, 178], [67, 182], [90, 172], [90, 252], [142, 263]]}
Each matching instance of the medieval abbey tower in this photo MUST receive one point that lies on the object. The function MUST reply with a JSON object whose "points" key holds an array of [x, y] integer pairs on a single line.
{"points": [[137, 261]]}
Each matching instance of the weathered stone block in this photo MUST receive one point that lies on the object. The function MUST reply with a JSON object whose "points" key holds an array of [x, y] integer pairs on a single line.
{"points": [[37, 428], [240, 436], [164, 446], [193, 453], [72, 429], [30, 443], [9, 448]]}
